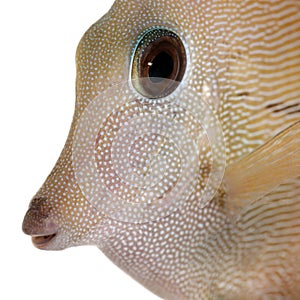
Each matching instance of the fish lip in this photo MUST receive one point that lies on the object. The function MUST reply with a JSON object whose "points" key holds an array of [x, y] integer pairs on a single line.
{"points": [[41, 241], [43, 230]]}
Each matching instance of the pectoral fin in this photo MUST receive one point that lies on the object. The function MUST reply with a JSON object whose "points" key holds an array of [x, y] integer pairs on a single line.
{"points": [[263, 192], [259, 173]]}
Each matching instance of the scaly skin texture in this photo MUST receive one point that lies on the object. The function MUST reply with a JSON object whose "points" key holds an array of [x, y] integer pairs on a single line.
{"points": [[247, 54]]}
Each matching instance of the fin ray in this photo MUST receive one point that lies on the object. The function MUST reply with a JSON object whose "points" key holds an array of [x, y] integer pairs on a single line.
{"points": [[263, 170]]}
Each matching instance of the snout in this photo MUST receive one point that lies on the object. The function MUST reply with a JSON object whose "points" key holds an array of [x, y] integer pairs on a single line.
{"points": [[39, 225]]}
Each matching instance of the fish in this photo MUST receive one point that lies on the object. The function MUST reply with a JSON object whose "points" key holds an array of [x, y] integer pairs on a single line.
{"points": [[182, 163]]}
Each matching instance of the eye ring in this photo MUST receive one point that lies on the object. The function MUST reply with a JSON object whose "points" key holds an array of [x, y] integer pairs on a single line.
{"points": [[159, 63]]}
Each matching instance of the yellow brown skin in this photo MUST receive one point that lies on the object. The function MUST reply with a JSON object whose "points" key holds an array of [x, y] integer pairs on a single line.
{"points": [[193, 253]]}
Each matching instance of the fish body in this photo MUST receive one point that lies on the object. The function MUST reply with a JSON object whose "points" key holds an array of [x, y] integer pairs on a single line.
{"points": [[226, 227]]}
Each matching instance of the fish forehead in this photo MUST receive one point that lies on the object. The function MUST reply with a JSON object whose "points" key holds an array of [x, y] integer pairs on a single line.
{"points": [[243, 59], [105, 54], [108, 46]]}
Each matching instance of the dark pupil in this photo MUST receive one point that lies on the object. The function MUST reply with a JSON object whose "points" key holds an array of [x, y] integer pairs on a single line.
{"points": [[161, 67]]}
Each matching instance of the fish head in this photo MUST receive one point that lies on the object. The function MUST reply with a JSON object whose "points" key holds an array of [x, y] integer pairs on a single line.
{"points": [[143, 127], [167, 94]]}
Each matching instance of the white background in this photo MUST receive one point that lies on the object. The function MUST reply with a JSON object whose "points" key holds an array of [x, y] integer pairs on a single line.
{"points": [[37, 69]]}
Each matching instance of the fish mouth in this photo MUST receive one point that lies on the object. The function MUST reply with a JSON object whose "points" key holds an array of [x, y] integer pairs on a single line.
{"points": [[42, 241], [42, 229]]}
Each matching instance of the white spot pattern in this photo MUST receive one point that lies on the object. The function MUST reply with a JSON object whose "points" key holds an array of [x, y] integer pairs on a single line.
{"points": [[243, 62]]}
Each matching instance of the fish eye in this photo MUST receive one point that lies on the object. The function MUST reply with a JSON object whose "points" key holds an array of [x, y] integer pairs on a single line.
{"points": [[159, 63]]}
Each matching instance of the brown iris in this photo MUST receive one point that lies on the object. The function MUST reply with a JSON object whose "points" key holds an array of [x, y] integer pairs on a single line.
{"points": [[159, 63]]}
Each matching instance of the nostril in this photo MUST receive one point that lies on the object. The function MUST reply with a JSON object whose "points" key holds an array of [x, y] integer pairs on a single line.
{"points": [[38, 203], [39, 209]]}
